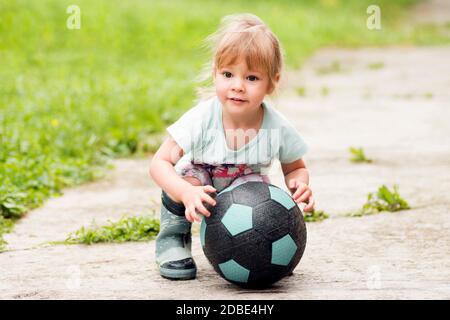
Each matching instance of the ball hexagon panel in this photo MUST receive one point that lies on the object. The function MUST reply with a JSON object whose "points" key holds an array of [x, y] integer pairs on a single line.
{"points": [[271, 220], [281, 197], [237, 219], [233, 271], [251, 193], [283, 250]]}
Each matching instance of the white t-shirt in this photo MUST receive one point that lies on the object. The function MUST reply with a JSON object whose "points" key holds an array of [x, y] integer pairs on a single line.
{"points": [[200, 133]]}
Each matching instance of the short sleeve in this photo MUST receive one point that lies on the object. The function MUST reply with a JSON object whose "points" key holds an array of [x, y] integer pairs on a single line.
{"points": [[292, 145], [186, 129]]}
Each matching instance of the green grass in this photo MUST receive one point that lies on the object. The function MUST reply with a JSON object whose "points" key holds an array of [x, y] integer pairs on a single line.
{"points": [[325, 91], [315, 216], [301, 91], [358, 155], [334, 67], [71, 100], [375, 65], [382, 200], [139, 228], [5, 227]]}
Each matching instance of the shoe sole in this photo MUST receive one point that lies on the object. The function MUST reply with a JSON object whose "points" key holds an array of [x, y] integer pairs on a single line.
{"points": [[172, 274]]}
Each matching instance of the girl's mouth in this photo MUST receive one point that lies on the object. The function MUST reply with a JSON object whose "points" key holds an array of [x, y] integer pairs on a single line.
{"points": [[237, 101]]}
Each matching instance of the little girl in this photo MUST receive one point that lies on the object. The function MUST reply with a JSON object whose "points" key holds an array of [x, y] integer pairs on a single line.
{"points": [[225, 140]]}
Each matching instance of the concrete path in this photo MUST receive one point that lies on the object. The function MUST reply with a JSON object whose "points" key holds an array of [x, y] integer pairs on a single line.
{"points": [[392, 102]]}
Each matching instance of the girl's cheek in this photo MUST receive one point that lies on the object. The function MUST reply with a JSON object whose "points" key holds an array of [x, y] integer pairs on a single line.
{"points": [[222, 88]]}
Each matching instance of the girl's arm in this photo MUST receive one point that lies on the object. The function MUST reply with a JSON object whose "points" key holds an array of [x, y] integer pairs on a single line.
{"points": [[296, 177], [295, 170], [178, 189], [163, 172]]}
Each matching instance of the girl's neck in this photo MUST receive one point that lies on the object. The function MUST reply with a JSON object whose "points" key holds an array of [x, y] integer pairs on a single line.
{"points": [[250, 122]]}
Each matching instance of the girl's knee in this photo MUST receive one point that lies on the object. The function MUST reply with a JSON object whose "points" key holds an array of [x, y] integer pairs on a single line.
{"points": [[193, 180], [196, 175]]}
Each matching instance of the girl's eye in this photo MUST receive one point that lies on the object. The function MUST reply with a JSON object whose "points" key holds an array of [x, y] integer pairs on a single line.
{"points": [[252, 78], [227, 74]]}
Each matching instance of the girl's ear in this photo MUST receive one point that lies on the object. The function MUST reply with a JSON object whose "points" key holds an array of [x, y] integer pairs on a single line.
{"points": [[273, 85], [277, 77]]}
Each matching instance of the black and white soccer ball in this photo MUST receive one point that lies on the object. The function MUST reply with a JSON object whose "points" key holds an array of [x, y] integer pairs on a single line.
{"points": [[255, 235]]}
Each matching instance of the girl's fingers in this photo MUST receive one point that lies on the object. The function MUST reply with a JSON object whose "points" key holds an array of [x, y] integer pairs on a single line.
{"points": [[305, 196], [190, 213], [209, 199], [209, 188], [293, 185], [299, 192], [310, 205], [200, 207], [196, 217], [187, 215]]}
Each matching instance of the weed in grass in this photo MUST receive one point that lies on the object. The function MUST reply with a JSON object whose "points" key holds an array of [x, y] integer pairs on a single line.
{"points": [[325, 91], [11, 204], [358, 155], [6, 226], [382, 200], [376, 65], [315, 216], [334, 67], [138, 228], [301, 91]]}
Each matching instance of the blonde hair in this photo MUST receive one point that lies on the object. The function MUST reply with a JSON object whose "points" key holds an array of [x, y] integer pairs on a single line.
{"points": [[243, 36]]}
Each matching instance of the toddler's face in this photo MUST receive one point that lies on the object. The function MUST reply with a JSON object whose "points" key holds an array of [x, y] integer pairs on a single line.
{"points": [[239, 89]]}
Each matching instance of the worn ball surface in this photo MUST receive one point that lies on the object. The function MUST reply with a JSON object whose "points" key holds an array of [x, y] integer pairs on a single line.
{"points": [[255, 235]]}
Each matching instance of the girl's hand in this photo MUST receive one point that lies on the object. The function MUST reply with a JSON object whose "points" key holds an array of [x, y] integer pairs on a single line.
{"points": [[193, 198], [302, 193]]}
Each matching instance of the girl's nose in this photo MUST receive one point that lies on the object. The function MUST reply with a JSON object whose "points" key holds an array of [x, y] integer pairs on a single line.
{"points": [[238, 85]]}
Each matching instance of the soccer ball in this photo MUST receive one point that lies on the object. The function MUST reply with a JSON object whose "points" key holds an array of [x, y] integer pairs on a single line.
{"points": [[255, 235]]}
